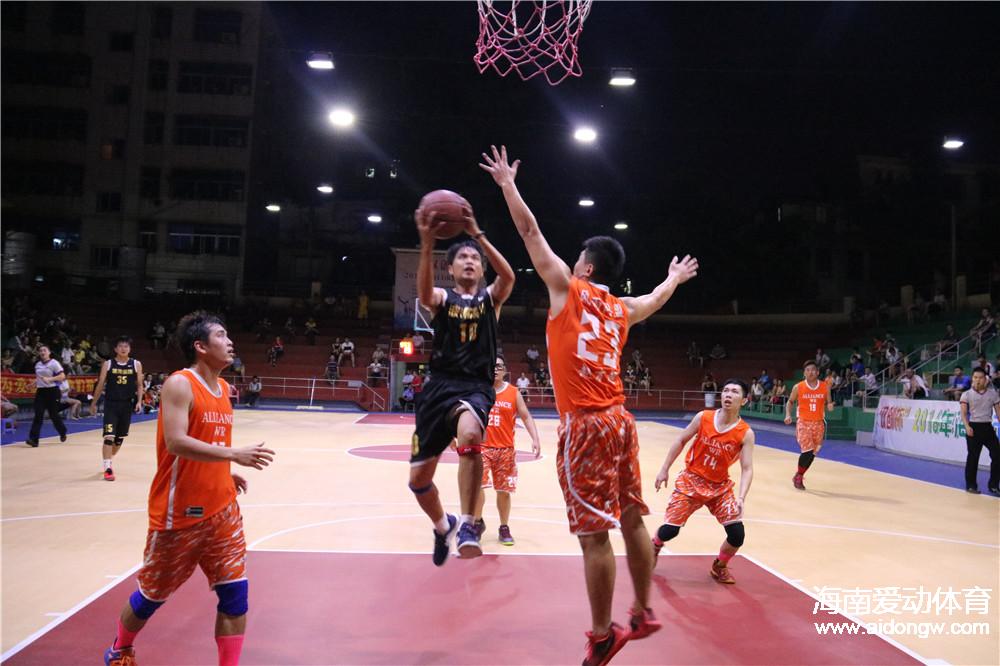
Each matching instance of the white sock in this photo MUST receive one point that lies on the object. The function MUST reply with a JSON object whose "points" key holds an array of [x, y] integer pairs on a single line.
{"points": [[468, 518], [107, 464], [442, 525]]}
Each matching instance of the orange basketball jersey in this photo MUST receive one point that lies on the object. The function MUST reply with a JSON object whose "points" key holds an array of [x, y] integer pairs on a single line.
{"points": [[500, 425], [713, 451], [585, 344], [812, 401], [186, 491]]}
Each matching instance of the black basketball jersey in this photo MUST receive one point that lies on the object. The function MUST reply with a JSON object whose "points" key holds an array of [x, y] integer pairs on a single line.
{"points": [[122, 381], [465, 337]]}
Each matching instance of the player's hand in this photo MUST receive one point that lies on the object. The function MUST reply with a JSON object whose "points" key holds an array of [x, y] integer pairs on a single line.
{"points": [[138, 407], [471, 226], [427, 223], [497, 166], [968, 431], [661, 479], [739, 507], [257, 456], [93, 409], [241, 484], [684, 269], [536, 448], [788, 420]]}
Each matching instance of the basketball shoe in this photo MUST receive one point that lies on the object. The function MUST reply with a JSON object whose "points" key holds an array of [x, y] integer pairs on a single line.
{"points": [[481, 527], [468, 542], [721, 573], [600, 652], [109, 475], [643, 624], [505, 537], [797, 482], [121, 657], [442, 541]]}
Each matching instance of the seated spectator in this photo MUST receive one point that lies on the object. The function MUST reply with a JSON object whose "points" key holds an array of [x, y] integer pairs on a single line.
{"points": [[531, 355], [822, 361], [917, 310], [541, 376], [708, 384], [958, 384], [7, 408], [718, 352], [637, 359], [253, 391], [418, 342], [646, 379], [630, 378], [335, 347], [407, 377], [694, 355], [914, 386], [766, 381], [869, 385], [68, 402], [857, 367], [347, 351], [523, 384], [375, 373], [312, 330], [893, 359], [332, 373], [939, 304], [276, 351], [7, 361], [418, 381], [379, 355], [756, 391], [996, 373], [237, 367], [984, 330], [981, 362], [104, 349], [263, 329], [406, 398]]}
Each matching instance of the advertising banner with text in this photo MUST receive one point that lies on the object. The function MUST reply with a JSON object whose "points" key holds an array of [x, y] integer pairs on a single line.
{"points": [[925, 428]]}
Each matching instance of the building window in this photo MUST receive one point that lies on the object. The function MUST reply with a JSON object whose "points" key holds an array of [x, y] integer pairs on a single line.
{"points": [[109, 202], [113, 149], [68, 18], [154, 129], [211, 131], [44, 123], [204, 239], [66, 238], [215, 78], [122, 41], [159, 72], [14, 15], [217, 26], [149, 183], [32, 68], [118, 94], [162, 21], [58, 179], [104, 257], [207, 185]]}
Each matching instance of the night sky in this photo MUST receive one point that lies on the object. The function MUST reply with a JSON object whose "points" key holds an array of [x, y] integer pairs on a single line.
{"points": [[738, 107]]}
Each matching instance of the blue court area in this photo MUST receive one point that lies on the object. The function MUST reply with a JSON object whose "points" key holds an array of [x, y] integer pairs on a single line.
{"points": [[72, 427]]}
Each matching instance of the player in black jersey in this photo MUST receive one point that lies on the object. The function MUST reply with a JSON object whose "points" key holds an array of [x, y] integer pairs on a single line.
{"points": [[123, 376], [457, 399]]}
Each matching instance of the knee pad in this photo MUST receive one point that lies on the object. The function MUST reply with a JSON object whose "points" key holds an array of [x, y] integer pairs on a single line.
{"points": [[735, 534], [143, 607], [469, 450], [119, 440], [233, 598], [667, 532], [422, 490]]}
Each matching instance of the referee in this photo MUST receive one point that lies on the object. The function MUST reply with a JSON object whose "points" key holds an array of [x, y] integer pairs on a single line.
{"points": [[978, 405], [123, 377], [48, 374]]}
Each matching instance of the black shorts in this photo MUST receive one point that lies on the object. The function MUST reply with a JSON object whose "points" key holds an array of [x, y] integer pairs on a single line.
{"points": [[435, 430], [117, 419]]}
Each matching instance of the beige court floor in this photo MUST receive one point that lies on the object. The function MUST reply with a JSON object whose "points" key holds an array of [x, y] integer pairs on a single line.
{"points": [[67, 534]]}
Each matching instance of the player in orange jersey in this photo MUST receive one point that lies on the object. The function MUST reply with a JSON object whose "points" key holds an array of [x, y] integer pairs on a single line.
{"points": [[721, 438], [499, 456], [598, 455], [194, 519], [813, 398]]}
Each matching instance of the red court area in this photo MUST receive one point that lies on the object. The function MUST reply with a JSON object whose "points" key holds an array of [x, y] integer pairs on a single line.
{"points": [[339, 608], [401, 453]]}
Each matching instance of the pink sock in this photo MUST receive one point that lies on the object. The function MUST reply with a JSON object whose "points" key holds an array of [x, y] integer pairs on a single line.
{"points": [[724, 557], [125, 638], [229, 649]]}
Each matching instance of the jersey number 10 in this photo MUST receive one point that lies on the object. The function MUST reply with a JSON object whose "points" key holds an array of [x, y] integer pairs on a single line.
{"points": [[468, 331]]}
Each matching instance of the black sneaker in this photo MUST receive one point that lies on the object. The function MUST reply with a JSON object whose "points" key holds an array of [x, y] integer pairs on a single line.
{"points": [[62, 437], [442, 541], [993, 491], [31, 442], [973, 491], [480, 527]]}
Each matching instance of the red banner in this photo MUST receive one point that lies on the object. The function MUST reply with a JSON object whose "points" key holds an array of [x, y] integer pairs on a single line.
{"points": [[23, 386]]}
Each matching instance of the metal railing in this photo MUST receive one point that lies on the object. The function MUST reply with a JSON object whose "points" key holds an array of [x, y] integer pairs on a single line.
{"points": [[947, 355], [317, 389]]}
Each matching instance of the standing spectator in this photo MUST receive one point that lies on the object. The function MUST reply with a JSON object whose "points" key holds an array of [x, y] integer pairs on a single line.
{"points": [[312, 330], [332, 373], [766, 381], [363, 301], [958, 384], [418, 342], [637, 359], [984, 330], [978, 404], [375, 373], [347, 350], [418, 382], [253, 391], [531, 355], [694, 354], [822, 361], [894, 359], [48, 374]]}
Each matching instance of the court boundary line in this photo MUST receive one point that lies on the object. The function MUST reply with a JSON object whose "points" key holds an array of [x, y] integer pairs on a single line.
{"points": [[334, 551], [68, 614], [853, 618]]}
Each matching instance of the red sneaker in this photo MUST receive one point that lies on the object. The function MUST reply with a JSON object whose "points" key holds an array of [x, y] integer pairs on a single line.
{"points": [[109, 475], [721, 573], [643, 624], [797, 482], [600, 652]]}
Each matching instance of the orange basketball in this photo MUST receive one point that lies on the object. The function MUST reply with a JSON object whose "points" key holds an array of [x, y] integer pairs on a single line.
{"points": [[447, 206]]}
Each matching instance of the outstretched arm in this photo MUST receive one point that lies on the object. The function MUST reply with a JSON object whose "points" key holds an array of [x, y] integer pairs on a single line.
{"points": [[642, 307], [553, 270], [430, 296], [504, 282], [675, 450]]}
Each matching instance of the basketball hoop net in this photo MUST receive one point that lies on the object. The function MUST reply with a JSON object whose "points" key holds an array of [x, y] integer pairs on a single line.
{"points": [[533, 37]]}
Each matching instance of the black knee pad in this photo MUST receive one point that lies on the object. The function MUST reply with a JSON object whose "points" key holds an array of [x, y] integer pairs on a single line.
{"points": [[667, 532], [735, 534]]}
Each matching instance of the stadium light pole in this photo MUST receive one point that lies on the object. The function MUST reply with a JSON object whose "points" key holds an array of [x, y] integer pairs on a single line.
{"points": [[952, 144]]}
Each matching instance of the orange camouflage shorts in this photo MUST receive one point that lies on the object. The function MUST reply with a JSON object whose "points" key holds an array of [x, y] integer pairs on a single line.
{"points": [[691, 492], [809, 435], [501, 464], [598, 465], [216, 544]]}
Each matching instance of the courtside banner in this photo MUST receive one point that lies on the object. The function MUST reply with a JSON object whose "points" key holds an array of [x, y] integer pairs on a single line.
{"points": [[930, 429], [23, 386]]}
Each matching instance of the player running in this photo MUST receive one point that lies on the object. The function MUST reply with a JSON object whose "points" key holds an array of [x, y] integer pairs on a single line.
{"points": [[813, 398], [123, 377]]}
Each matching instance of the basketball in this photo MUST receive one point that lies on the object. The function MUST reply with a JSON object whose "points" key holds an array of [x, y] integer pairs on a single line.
{"points": [[448, 206]]}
